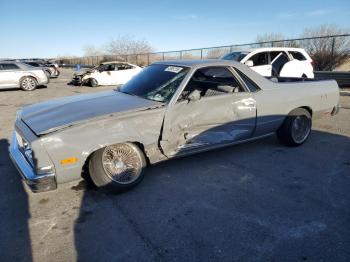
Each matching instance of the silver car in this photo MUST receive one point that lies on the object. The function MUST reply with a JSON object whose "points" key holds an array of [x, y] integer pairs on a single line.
{"points": [[19, 75], [170, 109]]}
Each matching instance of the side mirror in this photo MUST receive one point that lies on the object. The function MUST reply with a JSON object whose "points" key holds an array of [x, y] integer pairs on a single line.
{"points": [[195, 95], [249, 63]]}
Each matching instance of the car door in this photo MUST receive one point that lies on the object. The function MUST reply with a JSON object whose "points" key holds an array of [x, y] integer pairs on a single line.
{"points": [[9, 74], [277, 62], [224, 113], [123, 73], [105, 75], [261, 64]]}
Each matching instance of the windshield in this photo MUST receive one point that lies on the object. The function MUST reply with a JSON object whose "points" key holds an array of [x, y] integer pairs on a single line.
{"points": [[236, 56], [156, 82]]}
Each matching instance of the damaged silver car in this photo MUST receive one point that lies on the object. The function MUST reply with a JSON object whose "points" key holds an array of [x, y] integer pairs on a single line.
{"points": [[170, 109]]}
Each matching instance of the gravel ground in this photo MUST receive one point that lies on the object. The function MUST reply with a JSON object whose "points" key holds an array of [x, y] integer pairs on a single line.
{"points": [[258, 201]]}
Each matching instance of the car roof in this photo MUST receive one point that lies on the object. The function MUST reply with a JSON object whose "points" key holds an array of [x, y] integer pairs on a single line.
{"points": [[10, 62], [264, 49], [114, 62], [199, 62]]}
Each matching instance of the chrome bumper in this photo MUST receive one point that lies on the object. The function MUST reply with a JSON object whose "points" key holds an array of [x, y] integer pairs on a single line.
{"points": [[37, 183]]}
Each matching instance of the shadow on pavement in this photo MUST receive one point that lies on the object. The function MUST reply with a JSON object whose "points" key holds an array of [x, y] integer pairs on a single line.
{"points": [[251, 202], [15, 244]]}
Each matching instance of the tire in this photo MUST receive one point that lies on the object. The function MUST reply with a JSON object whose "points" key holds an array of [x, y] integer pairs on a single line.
{"points": [[108, 166], [296, 128], [93, 82], [28, 83]]}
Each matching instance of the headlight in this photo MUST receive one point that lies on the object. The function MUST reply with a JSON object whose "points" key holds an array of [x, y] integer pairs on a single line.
{"points": [[44, 170], [28, 152]]}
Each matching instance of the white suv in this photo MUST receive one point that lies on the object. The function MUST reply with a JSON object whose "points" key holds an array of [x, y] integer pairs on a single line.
{"points": [[276, 61]]}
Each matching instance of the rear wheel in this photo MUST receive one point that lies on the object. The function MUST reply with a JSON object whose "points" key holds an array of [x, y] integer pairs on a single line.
{"points": [[119, 166], [28, 83], [296, 128]]}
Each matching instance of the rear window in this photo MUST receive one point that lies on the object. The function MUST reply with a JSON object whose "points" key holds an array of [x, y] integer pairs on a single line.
{"points": [[236, 56], [8, 66], [32, 64], [248, 82], [297, 55]]}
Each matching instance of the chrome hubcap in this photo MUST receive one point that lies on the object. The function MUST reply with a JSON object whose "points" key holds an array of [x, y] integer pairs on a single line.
{"points": [[301, 128], [121, 163]]}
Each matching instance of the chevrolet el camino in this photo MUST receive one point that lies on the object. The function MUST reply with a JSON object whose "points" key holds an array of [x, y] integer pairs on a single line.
{"points": [[170, 109]]}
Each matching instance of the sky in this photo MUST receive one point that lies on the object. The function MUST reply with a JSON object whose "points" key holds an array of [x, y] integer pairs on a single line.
{"points": [[37, 28]]}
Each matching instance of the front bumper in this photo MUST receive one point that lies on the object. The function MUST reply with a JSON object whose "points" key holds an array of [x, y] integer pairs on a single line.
{"points": [[77, 81], [36, 182]]}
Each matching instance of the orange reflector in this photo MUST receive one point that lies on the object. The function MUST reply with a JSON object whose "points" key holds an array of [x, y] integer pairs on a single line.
{"points": [[70, 160]]}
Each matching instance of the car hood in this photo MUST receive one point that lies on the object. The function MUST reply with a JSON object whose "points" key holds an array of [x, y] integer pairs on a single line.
{"points": [[84, 72], [56, 114]]}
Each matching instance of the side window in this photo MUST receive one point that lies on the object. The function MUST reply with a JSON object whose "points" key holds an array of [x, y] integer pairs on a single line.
{"points": [[9, 67], [297, 55], [119, 67], [248, 82], [273, 55], [110, 67], [212, 81], [260, 59]]}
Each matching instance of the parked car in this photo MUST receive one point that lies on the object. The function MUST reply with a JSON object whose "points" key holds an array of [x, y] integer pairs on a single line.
{"points": [[170, 109], [19, 75], [276, 61], [108, 73], [50, 69]]}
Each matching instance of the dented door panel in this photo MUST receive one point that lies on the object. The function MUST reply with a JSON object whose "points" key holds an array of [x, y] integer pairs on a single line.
{"points": [[208, 121]]}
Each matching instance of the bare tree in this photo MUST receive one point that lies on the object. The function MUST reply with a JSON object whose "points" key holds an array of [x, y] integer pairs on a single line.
{"points": [[126, 45], [91, 50], [274, 40], [327, 53], [217, 52]]}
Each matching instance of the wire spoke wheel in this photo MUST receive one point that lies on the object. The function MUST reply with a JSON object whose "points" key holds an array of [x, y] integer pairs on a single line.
{"points": [[121, 163], [301, 128]]}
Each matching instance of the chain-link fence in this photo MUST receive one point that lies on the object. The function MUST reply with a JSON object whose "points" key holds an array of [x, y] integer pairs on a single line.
{"points": [[323, 47]]}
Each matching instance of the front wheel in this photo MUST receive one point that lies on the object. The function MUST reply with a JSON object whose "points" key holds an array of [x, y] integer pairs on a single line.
{"points": [[296, 128], [93, 82], [119, 166]]}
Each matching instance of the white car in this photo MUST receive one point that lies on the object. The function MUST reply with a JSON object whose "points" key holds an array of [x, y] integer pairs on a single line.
{"points": [[108, 73], [19, 75], [276, 61]]}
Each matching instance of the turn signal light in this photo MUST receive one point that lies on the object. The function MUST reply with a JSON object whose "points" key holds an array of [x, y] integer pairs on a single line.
{"points": [[70, 160]]}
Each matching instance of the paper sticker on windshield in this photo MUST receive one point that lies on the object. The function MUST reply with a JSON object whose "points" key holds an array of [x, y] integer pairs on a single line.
{"points": [[173, 69]]}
